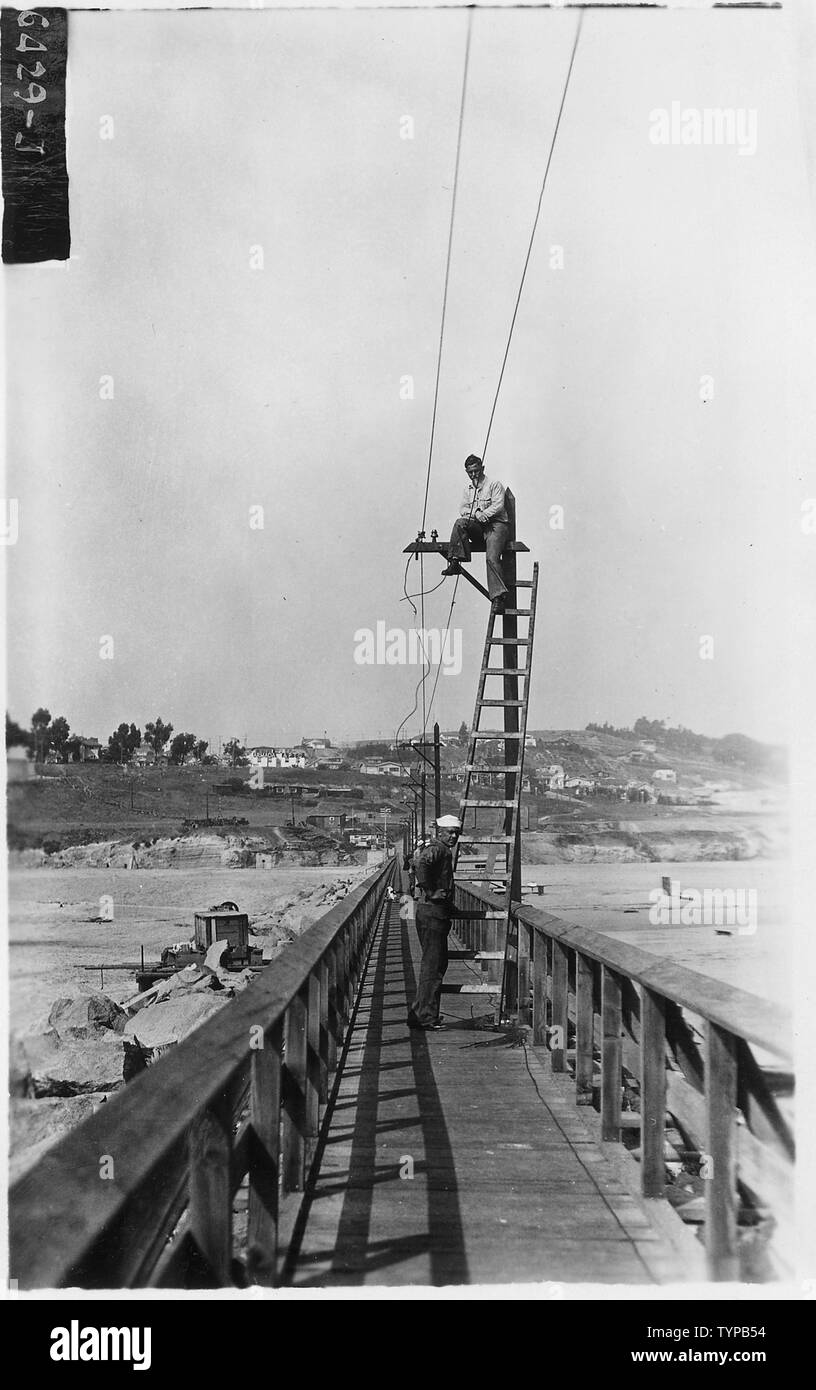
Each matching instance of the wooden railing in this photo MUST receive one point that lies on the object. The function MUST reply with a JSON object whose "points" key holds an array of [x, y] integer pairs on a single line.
{"points": [[142, 1193], [605, 1009]]}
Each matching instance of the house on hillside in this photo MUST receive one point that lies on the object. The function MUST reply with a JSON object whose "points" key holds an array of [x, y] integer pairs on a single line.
{"points": [[579, 784], [265, 756], [315, 744], [664, 774], [328, 821], [328, 757], [552, 777], [378, 767], [647, 745], [143, 756], [80, 749]]}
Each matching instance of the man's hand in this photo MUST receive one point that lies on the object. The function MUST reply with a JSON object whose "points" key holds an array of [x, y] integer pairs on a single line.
{"points": [[480, 517]]}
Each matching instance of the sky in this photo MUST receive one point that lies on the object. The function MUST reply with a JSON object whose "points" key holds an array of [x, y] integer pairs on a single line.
{"points": [[658, 384]]}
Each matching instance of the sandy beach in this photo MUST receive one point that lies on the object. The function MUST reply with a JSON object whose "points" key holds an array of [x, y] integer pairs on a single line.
{"points": [[52, 934]]}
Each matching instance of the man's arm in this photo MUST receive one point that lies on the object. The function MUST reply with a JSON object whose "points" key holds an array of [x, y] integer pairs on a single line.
{"points": [[427, 875], [492, 504]]}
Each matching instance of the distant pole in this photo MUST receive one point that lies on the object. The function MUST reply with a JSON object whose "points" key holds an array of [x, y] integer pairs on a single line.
{"points": [[131, 793], [207, 798], [102, 976], [292, 799], [437, 786], [423, 804]]}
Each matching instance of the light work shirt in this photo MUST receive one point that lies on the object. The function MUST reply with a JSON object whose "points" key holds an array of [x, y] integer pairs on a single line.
{"points": [[489, 500]]}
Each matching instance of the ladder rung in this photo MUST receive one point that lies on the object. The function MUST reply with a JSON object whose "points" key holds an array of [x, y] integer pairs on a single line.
{"points": [[480, 916], [483, 877], [517, 612], [523, 584], [505, 704], [504, 670], [471, 989], [510, 641], [486, 803], [475, 955], [493, 771], [487, 839], [496, 733]]}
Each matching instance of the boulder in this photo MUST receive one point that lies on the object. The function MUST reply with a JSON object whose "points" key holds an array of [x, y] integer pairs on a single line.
{"points": [[35, 1125], [86, 1015], [182, 980], [234, 981], [170, 1020], [74, 1067]]}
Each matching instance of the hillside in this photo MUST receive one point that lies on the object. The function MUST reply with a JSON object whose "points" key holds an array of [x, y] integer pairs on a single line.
{"points": [[616, 807]]}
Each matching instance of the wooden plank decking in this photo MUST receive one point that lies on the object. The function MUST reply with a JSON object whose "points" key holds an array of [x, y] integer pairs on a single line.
{"points": [[510, 1183]]}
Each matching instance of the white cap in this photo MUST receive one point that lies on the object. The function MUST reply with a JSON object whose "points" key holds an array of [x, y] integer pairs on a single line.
{"points": [[449, 823]]}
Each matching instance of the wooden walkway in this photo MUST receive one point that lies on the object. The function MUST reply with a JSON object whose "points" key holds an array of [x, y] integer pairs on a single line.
{"points": [[457, 1158]]}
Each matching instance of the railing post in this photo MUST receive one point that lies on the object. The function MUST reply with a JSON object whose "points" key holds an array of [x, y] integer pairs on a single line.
{"points": [[294, 1117], [539, 989], [264, 1157], [560, 1006], [312, 1063], [323, 1040], [210, 1187], [489, 930], [523, 934], [611, 1055], [720, 1160], [584, 980], [333, 1032], [652, 1092], [342, 988]]}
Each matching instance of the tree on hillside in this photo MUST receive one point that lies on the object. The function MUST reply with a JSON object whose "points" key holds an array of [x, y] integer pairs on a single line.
{"points": [[200, 749], [40, 721], [463, 735], [59, 734], [122, 743], [157, 733], [236, 753], [16, 735], [182, 745]]}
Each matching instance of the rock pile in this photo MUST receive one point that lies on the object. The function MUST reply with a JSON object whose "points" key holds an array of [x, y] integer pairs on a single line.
{"points": [[89, 1046]]}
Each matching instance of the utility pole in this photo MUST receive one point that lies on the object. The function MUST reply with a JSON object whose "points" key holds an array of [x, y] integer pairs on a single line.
{"points": [[292, 799], [419, 746]]}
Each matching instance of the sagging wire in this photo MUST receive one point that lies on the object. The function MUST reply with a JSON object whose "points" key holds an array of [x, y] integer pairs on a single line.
{"points": [[421, 534], [520, 291]]}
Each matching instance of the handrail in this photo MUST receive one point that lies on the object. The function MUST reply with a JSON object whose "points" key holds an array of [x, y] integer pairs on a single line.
{"points": [[98, 1208], [747, 1015], [607, 1005]]}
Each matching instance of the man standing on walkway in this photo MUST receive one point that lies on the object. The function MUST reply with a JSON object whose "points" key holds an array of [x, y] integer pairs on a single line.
{"points": [[482, 517], [434, 914]]}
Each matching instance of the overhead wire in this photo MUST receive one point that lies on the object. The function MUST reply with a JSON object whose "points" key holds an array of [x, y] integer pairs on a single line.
{"points": [[428, 706], [426, 660], [518, 296]]}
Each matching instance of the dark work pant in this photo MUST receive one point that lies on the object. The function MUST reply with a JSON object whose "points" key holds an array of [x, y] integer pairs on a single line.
{"points": [[495, 536], [434, 942]]}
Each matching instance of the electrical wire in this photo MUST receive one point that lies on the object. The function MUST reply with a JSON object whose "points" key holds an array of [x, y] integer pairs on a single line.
{"points": [[519, 294], [427, 707]]}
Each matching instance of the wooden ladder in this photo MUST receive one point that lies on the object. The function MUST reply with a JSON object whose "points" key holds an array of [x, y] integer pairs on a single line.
{"points": [[504, 844]]}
